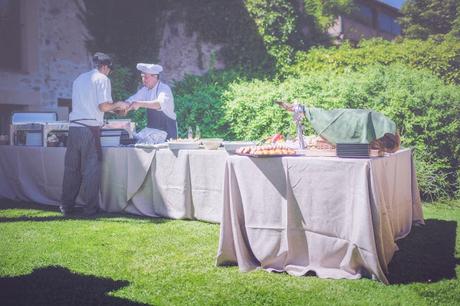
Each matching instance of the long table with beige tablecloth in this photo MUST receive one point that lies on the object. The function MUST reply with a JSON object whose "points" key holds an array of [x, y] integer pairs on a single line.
{"points": [[339, 218], [184, 184]]}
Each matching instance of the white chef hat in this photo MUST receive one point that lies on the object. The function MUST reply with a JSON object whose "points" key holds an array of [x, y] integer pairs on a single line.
{"points": [[149, 68]]}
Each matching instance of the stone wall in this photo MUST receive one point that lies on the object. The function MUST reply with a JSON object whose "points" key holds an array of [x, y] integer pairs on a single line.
{"points": [[62, 51], [182, 54], [54, 54]]}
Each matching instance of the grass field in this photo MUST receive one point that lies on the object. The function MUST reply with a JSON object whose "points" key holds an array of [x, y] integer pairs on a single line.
{"points": [[46, 259]]}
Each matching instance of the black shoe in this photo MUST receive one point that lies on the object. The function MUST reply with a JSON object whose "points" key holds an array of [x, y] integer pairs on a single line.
{"points": [[68, 211], [89, 212]]}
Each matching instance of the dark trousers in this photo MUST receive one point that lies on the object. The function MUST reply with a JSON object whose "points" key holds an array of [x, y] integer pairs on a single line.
{"points": [[82, 169]]}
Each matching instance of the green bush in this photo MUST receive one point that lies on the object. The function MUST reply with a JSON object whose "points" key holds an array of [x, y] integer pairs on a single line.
{"points": [[441, 56], [432, 176], [198, 102], [425, 110]]}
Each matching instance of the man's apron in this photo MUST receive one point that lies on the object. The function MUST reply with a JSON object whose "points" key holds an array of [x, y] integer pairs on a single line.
{"points": [[156, 119], [96, 131]]}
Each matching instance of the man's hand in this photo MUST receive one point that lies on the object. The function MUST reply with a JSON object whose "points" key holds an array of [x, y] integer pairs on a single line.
{"points": [[121, 105], [121, 108]]}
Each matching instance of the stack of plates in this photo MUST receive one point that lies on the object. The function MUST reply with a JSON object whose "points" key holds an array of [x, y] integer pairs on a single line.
{"points": [[353, 150]]}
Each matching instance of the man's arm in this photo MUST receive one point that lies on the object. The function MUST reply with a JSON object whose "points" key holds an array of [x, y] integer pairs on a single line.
{"points": [[161, 103], [113, 106], [145, 104]]}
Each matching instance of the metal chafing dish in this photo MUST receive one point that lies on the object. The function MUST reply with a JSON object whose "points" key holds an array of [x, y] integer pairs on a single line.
{"points": [[32, 128], [117, 131], [42, 129]]}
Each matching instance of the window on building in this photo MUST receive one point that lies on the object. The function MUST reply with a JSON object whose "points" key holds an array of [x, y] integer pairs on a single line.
{"points": [[388, 24], [10, 35], [363, 13]]}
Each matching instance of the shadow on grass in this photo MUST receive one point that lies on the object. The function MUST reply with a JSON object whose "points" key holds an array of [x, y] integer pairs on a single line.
{"points": [[56, 285], [10, 204], [426, 255], [117, 217]]}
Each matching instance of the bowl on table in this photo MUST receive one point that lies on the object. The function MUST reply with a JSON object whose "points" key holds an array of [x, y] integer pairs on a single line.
{"points": [[211, 143], [232, 146], [183, 144]]}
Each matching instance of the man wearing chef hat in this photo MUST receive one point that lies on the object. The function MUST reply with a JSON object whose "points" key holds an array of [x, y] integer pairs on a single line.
{"points": [[157, 98]]}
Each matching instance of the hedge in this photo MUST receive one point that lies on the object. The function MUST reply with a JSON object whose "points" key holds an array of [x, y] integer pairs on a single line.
{"points": [[439, 55], [425, 110]]}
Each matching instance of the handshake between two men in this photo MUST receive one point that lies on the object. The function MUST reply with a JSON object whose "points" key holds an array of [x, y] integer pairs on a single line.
{"points": [[122, 108]]}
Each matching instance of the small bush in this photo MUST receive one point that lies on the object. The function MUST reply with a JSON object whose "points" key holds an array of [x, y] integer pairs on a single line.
{"points": [[432, 177]]}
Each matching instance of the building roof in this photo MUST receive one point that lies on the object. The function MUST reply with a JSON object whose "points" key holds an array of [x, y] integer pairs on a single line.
{"points": [[395, 4]]}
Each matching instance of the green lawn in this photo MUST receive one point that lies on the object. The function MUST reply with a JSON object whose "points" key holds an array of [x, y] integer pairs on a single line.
{"points": [[119, 260]]}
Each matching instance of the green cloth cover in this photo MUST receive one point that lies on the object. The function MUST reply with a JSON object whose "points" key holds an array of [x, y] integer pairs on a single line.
{"points": [[349, 125]]}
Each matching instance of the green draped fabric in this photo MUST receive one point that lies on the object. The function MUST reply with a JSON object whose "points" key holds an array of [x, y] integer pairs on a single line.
{"points": [[349, 125]]}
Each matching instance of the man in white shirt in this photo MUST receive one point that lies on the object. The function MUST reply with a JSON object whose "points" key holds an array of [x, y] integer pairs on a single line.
{"points": [[91, 97], [157, 98]]}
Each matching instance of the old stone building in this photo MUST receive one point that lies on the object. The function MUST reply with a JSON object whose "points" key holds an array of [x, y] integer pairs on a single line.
{"points": [[370, 19], [43, 50]]}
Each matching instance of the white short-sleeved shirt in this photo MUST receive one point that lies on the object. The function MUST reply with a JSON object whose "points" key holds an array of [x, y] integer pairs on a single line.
{"points": [[88, 91], [161, 93]]}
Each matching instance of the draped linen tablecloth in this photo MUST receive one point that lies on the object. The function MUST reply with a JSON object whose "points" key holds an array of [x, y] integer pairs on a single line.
{"points": [[150, 182], [337, 217], [125, 182], [36, 174], [188, 184], [207, 169], [31, 173]]}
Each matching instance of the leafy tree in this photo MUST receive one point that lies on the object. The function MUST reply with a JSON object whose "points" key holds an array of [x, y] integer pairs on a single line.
{"points": [[255, 34], [441, 56], [423, 18], [290, 26], [123, 29]]}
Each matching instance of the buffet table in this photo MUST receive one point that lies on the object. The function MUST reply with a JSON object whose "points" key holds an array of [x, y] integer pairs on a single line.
{"points": [[184, 184], [336, 217]]}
